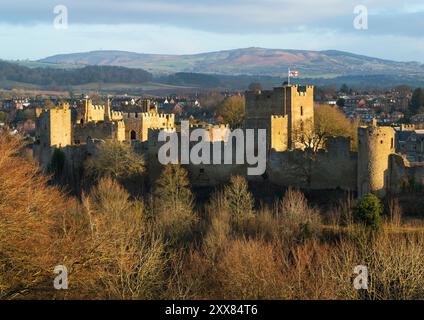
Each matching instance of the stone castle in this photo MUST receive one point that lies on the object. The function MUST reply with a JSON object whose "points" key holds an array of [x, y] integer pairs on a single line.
{"points": [[284, 112]]}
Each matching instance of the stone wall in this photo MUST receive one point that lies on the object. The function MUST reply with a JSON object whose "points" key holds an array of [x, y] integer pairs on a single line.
{"points": [[100, 130], [403, 176], [335, 168]]}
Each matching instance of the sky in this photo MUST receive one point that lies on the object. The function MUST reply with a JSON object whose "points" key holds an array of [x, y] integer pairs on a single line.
{"points": [[33, 29]]}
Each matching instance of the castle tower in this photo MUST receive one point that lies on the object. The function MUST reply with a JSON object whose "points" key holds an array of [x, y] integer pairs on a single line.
{"points": [[300, 110], [54, 127], [87, 106], [283, 112], [145, 106], [375, 146], [93, 113], [108, 116]]}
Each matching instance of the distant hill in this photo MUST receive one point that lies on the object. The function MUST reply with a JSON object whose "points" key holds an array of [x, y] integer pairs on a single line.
{"points": [[121, 71], [250, 61], [66, 77]]}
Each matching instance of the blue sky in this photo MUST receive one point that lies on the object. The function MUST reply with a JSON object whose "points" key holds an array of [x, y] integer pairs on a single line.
{"points": [[395, 30]]}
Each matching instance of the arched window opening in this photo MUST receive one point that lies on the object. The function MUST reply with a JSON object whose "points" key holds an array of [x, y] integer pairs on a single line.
{"points": [[133, 135]]}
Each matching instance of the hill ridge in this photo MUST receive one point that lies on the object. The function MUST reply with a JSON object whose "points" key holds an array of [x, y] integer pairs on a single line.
{"points": [[246, 61]]}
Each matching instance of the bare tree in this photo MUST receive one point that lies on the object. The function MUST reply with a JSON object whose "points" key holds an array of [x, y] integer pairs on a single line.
{"points": [[116, 160], [233, 111], [312, 137]]}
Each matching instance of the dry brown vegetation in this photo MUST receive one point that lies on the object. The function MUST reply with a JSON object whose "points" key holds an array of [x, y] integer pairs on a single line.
{"points": [[29, 219], [119, 247]]}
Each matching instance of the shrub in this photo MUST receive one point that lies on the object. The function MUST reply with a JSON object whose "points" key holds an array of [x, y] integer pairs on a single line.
{"points": [[219, 229], [396, 264], [368, 212], [173, 205], [123, 257], [249, 269], [297, 220], [239, 202]]}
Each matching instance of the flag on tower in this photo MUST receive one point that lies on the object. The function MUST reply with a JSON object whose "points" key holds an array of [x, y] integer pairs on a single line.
{"points": [[291, 73], [294, 73]]}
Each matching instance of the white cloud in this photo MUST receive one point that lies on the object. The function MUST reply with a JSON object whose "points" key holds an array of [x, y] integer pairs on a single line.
{"points": [[188, 26]]}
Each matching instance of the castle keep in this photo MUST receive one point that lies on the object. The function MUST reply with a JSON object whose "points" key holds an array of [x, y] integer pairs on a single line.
{"points": [[283, 112]]}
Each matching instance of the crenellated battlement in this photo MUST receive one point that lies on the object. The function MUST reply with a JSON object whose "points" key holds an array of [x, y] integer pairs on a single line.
{"points": [[210, 127], [100, 124], [303, 91], [158, 115], [407, 127], [275, 117], [147, 115]]}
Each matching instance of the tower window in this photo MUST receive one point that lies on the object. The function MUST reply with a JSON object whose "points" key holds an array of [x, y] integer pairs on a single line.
{"points": [[301, 111], [133, 135]]}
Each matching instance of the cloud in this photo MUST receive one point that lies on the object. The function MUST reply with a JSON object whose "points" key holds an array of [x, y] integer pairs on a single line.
{"points": [[222, 16], [39, 41], [191, 26]]}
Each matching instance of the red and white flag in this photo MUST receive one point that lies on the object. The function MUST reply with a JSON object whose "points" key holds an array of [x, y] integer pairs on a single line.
{"points": [[294, 73]]}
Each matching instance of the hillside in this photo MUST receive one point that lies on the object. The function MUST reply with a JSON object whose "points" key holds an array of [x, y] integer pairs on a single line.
{"points": [[55, 76], [119, 71], [250, 61]]}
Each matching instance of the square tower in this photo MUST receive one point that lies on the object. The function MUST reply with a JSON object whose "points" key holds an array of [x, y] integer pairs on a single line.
{"points": [[53, 127], [283, 112]]}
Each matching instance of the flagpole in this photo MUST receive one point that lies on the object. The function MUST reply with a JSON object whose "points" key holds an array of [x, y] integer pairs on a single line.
{"points": [[288, 77]]}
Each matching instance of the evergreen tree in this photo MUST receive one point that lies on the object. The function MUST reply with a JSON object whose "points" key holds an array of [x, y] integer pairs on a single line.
{"points": [[369, 211], [417, 102]]}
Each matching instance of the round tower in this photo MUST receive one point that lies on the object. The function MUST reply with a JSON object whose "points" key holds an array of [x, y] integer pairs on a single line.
{"points": [[376, 144]]}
